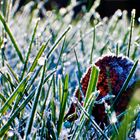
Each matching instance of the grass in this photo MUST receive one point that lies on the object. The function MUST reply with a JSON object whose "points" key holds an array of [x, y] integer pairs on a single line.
{"points": [[42, 63], [7, 29]]}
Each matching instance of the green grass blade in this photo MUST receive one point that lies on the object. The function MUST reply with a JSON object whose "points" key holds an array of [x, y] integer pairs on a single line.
{"points": [[1, 42], [48, 76], [85, 35], [82, 43], [4, 7], [7, 29], [125, 126], [131, 30], [45, 100], [95, 125], [60, 90], [8, 79], [117, 49], [41, 50], [52, 103], [29, 84], [31, 81], [61, 52], [35, 102], [134, 56], [78, 66], [5, 128], [93, 44], [125, 85], [63, 105], [124, 40], [11, 84], [29, 49], [79, 74], [129, 117], [42, 129], [2, 98], [57, 42], [83, 120], [92, 83], [12, 72], [20, 88]]}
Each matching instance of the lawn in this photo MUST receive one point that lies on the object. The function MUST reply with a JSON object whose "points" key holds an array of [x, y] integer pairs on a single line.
{"points": [[65, 78]]}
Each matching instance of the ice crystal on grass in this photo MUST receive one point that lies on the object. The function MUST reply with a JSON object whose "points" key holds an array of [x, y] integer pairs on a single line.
{"points": [[113, 118], [10, 133], [137, 134], [111, 35]]}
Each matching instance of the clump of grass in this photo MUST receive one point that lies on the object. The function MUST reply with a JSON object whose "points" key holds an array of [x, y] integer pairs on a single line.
{"points": [[40, 61]]}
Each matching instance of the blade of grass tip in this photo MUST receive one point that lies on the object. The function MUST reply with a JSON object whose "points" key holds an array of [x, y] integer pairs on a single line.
{"points": [[29, 50], [93, 43], [7, 29], [57, 42], [41, 50], [34, 107], [20, 88], [92, 82], [125, 85], [63, 105], [92, 121], [131, 30], [5, 128]]}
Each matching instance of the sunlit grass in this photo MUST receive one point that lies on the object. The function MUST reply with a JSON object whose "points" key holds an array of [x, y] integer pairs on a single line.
{"points": [[42, 63]]}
